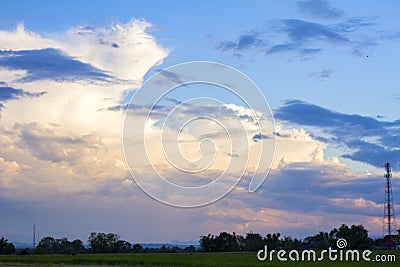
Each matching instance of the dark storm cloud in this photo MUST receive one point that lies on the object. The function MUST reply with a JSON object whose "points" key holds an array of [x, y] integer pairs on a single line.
{"points": [[372, 140], [49, 64], [314, 188], [325, 189], [373, 154], [9, 93]]}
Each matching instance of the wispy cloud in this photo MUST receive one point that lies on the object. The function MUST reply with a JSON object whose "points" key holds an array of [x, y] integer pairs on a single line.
{"points": [[300, 31], [305, 37], [259, 136], [292, 47], [302, 37], [9, 93], [245, 41], [319, 9], [322, 75]]}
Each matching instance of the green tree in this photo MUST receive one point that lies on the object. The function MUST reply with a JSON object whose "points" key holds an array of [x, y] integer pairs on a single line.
{"points": [[253, 242], [77, 246], [190, 249], [47, 245], [6, 247], [3, 245], [122, 246], [356, 236], [10, 249], [288, 243], [107, 243], [98, 243], [137, 248], [208, 243], [272, 241], [50, 245], [226, 242], [62, 246], [319, 241]]}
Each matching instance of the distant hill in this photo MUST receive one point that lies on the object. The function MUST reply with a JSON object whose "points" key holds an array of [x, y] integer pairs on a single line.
{"points": [[22, 245], [179, 244]]}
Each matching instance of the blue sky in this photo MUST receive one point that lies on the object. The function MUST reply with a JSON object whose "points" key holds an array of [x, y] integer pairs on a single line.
{"points": [[328, 69]]}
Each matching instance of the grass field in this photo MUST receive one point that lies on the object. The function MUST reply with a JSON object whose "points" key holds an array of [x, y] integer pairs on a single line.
{"points": [[170, 259]]}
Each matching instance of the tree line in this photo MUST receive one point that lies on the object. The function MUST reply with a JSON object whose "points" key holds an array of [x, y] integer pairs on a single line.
{"points": [[355, 235], [6, 247], [99, 243]]}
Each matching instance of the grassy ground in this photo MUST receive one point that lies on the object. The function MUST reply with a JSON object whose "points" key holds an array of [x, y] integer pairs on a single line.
{"points": [[179, 259]]}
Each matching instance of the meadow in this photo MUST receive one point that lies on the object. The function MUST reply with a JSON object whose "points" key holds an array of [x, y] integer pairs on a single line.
{"points": [[173, 259]]}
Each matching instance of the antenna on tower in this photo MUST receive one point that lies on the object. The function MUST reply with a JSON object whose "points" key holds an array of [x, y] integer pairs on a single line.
{"points": [[34, 236], [389, 218]]}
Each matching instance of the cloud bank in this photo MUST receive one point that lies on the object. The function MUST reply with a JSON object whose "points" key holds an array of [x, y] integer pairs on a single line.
{"points": [[368, 139], [62, 99]]}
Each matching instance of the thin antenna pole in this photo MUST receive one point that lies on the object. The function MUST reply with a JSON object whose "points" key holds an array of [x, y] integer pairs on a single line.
{"points": [[34, 236]]}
